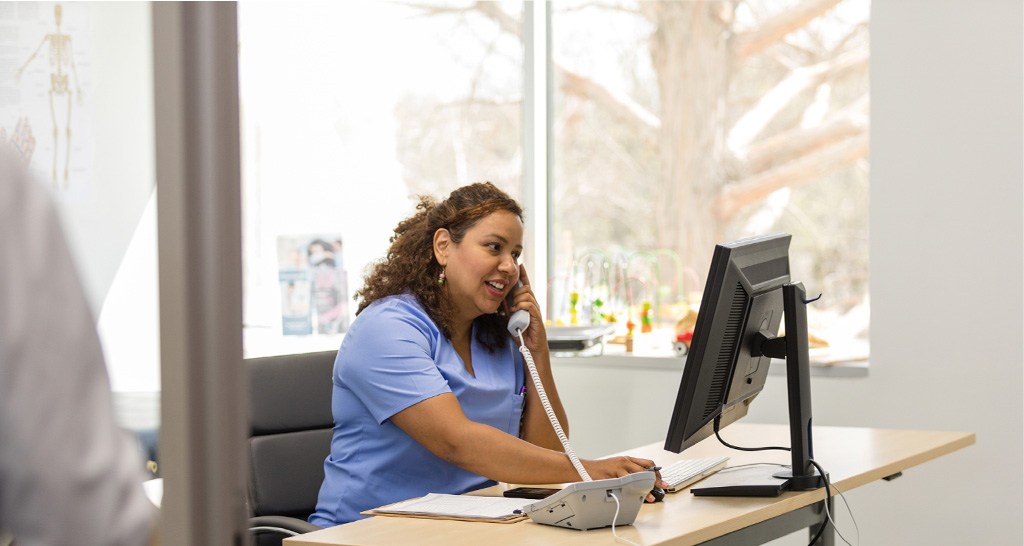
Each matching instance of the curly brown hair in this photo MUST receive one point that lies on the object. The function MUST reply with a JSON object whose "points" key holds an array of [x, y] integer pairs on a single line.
{"points": [[410, 265]]}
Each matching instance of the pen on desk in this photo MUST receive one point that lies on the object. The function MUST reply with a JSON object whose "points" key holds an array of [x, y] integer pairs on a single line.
{"points": [[653, 468]]}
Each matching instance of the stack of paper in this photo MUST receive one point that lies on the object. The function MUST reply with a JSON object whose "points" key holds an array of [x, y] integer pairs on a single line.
{"points": [[460, 507]]}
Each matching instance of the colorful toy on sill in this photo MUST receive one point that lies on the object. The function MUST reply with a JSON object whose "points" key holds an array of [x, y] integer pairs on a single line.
{"points": [[646, 322], [684, 333], [630, 326], [574, 299], [681, 346], [596, 316]]}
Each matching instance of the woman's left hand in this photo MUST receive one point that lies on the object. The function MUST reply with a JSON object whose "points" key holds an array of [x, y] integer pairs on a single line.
{"points": [[535, 335]]}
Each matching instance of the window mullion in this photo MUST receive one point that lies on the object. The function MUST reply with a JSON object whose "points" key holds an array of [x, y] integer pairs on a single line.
{"points": [[537, 149]]}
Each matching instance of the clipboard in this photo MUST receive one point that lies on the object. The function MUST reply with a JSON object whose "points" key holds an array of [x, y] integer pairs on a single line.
{"points": [[456, 507]]}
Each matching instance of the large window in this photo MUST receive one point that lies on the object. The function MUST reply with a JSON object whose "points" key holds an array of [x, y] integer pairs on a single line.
{"points": [[682, 124], [676, 125], [76, 102], [349, 111]]}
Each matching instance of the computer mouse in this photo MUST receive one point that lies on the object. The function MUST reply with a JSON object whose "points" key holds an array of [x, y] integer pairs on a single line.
{"points": [[658, 493]]}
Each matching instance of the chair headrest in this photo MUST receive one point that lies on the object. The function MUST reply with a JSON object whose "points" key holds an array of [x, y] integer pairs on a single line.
{"points": [[290, 392]]}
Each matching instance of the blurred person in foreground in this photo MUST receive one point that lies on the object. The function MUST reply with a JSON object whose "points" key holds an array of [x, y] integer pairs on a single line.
{"points": [[68, 473]]}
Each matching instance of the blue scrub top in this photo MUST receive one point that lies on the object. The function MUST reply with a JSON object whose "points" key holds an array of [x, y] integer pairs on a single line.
{"points": [[393, 357]]}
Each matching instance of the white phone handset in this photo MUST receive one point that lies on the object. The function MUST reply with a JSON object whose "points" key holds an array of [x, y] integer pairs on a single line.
{"points": [[519, 320]]}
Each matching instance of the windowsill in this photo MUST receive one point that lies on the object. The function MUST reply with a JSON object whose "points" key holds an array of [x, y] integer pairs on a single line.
{"points": [[649, 354], [632, 361]]}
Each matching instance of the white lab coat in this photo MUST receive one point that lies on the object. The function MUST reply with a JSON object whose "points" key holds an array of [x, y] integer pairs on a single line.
{"points": [[68, 473]]}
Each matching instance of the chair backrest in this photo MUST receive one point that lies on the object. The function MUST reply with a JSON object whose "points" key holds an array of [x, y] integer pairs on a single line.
{"points": [[290, 434]]}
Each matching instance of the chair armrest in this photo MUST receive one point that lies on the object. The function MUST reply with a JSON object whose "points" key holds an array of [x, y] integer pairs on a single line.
{"points": [[283, 525]]}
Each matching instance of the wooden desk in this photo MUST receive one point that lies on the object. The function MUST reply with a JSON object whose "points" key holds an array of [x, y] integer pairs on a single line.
{"points": [[852, 457]]}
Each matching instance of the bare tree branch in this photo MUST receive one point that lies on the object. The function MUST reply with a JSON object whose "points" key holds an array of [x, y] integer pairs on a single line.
{"points": [[771, 31], [429, 9], [785, 146], [506, 22], [598, 6], [618, 105], [579, 85], [771, 103], [857, 31], [734, 197]]}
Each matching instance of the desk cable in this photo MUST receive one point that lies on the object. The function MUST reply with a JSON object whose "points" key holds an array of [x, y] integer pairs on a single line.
{"points": [[828, 515], [828, 489], [848, 509], [618, 539]]}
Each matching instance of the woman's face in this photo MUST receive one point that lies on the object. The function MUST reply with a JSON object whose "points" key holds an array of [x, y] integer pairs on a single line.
{"points": [[482, 269]]}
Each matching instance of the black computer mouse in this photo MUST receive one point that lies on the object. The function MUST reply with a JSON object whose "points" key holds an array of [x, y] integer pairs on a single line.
{"points": [[658, 493]]}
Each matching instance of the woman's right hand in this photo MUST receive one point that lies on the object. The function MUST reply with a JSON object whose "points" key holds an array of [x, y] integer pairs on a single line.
{"points": [[616, 467]]}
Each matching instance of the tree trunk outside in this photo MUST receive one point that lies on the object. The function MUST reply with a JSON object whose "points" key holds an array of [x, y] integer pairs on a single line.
{"points": [[691, 57]]}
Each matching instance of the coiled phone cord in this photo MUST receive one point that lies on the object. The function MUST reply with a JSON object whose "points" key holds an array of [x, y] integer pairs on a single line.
{"points": [[551, 413]]}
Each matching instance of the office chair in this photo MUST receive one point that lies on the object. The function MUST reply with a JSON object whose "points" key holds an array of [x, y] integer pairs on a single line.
{"points": [[290, 436]]}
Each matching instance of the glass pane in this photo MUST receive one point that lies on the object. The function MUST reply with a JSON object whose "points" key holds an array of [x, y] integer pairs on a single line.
{"points": [[76, 102], [349, 110], [680, 125]]}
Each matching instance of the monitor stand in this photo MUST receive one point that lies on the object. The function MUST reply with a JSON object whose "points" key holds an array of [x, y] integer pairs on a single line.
{"points": [[768, 481], [743, 481]]}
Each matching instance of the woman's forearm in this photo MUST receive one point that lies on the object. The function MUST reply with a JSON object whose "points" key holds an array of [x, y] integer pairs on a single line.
{"points": [[501, 457], [504, 458], [439, 424]]}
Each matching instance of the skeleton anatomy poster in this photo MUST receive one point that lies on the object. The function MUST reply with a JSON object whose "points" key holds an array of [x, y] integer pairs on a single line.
{"points": [[45, 91]]}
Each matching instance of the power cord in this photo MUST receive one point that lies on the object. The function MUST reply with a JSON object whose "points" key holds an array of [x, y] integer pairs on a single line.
{"points": [[829, 515], [850, 511], [738, 448], [619, 539], [828, 497], [828, 487]]}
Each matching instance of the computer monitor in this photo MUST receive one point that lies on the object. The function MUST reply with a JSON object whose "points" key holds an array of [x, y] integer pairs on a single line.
{"points": [[747, 296]]}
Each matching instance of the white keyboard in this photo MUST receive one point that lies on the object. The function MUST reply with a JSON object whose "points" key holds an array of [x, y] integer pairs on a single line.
{"points": [[680, 474]]}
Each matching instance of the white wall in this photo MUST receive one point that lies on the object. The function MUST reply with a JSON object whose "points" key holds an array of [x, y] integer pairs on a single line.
{"points": [[947, 235], [947, 240], [946, 270], [100, 224], [112, 236], [111, 163]]}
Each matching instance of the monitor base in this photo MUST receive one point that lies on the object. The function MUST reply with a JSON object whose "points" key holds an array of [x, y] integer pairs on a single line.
{"points": [[751, 481], [801, 483]]}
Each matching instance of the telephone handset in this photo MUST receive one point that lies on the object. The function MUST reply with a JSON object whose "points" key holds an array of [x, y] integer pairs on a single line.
{"points": [[569, 507], [520, 320]]}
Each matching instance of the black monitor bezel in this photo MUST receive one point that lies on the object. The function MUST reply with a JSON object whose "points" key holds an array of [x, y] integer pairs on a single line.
{"points": [[697, 407]]}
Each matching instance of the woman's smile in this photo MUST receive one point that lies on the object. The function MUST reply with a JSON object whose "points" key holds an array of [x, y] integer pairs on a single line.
{"points": [[496, 288]]}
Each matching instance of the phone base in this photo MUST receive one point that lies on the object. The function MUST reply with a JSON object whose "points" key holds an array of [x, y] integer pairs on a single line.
{"points": [[589, 505]]}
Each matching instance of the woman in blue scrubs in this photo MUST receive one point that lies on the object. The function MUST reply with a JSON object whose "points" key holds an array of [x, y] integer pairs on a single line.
{"points": [[430, 391]]}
